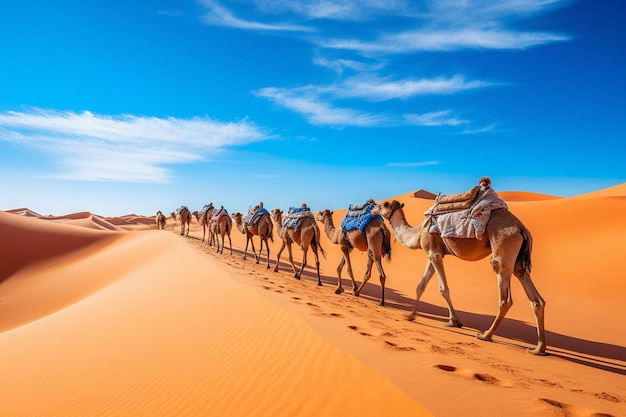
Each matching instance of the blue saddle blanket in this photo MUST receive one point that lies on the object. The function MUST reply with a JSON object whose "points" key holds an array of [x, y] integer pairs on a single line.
{"points": [[295, 216], [358, 216], [254, 215]]}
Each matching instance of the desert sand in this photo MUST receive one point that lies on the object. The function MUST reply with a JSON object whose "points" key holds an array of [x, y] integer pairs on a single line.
{"points": [[111, 317]]}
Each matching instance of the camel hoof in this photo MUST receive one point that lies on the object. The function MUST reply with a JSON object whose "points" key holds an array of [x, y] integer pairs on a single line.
{"points": [[382, 304], [538, 351], [319, 284], [454, 323], [276, 269], [339, 290], [483, 336], [410, 317]]}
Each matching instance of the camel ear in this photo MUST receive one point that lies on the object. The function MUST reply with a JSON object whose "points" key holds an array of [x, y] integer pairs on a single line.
{"points": [[402, 205]]}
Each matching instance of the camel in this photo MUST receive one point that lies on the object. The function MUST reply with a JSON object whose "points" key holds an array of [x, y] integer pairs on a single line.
{"points": [[160, 220], [204, 221], [375, 239], [507, 240], [222, 228], [184, 215], [307, 233], [264, 229]]}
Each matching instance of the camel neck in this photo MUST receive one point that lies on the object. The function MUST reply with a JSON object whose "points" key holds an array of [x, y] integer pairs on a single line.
{"points": [[408, 235]]}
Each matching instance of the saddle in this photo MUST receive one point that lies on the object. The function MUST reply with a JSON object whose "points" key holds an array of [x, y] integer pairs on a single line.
{"points": [[254, 215], [295, 216], [358, 216], [456, 202], [205, 208], [217, 214]]}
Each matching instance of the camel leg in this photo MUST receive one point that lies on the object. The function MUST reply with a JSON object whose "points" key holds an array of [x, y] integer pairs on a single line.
{"points": [[346, 256], [230, 244], [368, 273], [428, 274], [317, 266], [305, 249], [267, 245], [504, 304], [280, 251], [245, 252], [339, 288], [538, 305], [257, 257], [382, 279], [436, 260]]}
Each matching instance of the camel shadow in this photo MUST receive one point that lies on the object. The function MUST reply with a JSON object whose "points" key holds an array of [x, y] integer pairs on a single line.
{"points": [[603, 356]]}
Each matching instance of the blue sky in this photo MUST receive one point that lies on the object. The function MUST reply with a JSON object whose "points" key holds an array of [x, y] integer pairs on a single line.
{"points": [[137, 106]]}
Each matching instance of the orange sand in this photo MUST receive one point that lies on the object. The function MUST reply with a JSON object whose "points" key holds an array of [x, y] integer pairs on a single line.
{"points": [[108, 316]]}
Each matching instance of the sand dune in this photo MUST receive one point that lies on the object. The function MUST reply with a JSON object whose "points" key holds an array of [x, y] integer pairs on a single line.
{"points": [[99, 321]]}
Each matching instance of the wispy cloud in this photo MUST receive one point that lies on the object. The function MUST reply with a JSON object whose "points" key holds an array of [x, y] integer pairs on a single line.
{"points": [[412, 164], [376, 88], [317, 103], [437, 118], [317, 111], [124, 148], [221, 16], [444, 40]]}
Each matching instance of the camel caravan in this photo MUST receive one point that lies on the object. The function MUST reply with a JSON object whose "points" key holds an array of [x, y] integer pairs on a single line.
{"points": [[469, 226]]}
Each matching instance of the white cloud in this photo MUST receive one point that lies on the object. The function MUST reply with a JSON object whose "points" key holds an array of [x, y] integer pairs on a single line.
{"points": [[315, 103], [221, 16], [318, 112], [122, 148], [445, 40], [437, 118], [379, 89], [413, 164]]}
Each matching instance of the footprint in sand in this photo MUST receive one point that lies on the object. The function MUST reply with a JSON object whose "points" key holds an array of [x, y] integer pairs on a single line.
{"points": [[355, 328], [395, 346], [476, 376], [565, 409]]}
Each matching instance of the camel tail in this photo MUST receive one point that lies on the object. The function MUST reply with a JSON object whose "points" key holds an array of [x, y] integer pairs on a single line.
{"points": [[523, 257], [386, 244], [316, 242]]}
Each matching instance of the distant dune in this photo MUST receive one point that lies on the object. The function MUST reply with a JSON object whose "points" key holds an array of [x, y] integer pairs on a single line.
{"points": [[109, 316]]}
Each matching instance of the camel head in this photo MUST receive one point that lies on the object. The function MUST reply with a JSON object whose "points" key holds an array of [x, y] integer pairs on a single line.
{"points": [[387, 208], [237, 217], [276, 214], [322, 215], [196, 215]]}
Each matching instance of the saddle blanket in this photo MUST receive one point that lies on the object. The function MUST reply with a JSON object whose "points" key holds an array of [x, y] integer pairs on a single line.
{"points": [[205, 208], [254, 215], [469, 223], [182, 208], [295, 216], [217, 214], [358, 216]]}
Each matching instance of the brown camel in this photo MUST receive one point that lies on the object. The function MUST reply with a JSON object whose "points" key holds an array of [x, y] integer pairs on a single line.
{"points": [[184, 215], [204, 221], [375, 239], [264, 229], [160, 220], [307, 233], [507, 240], [221, 227]]}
